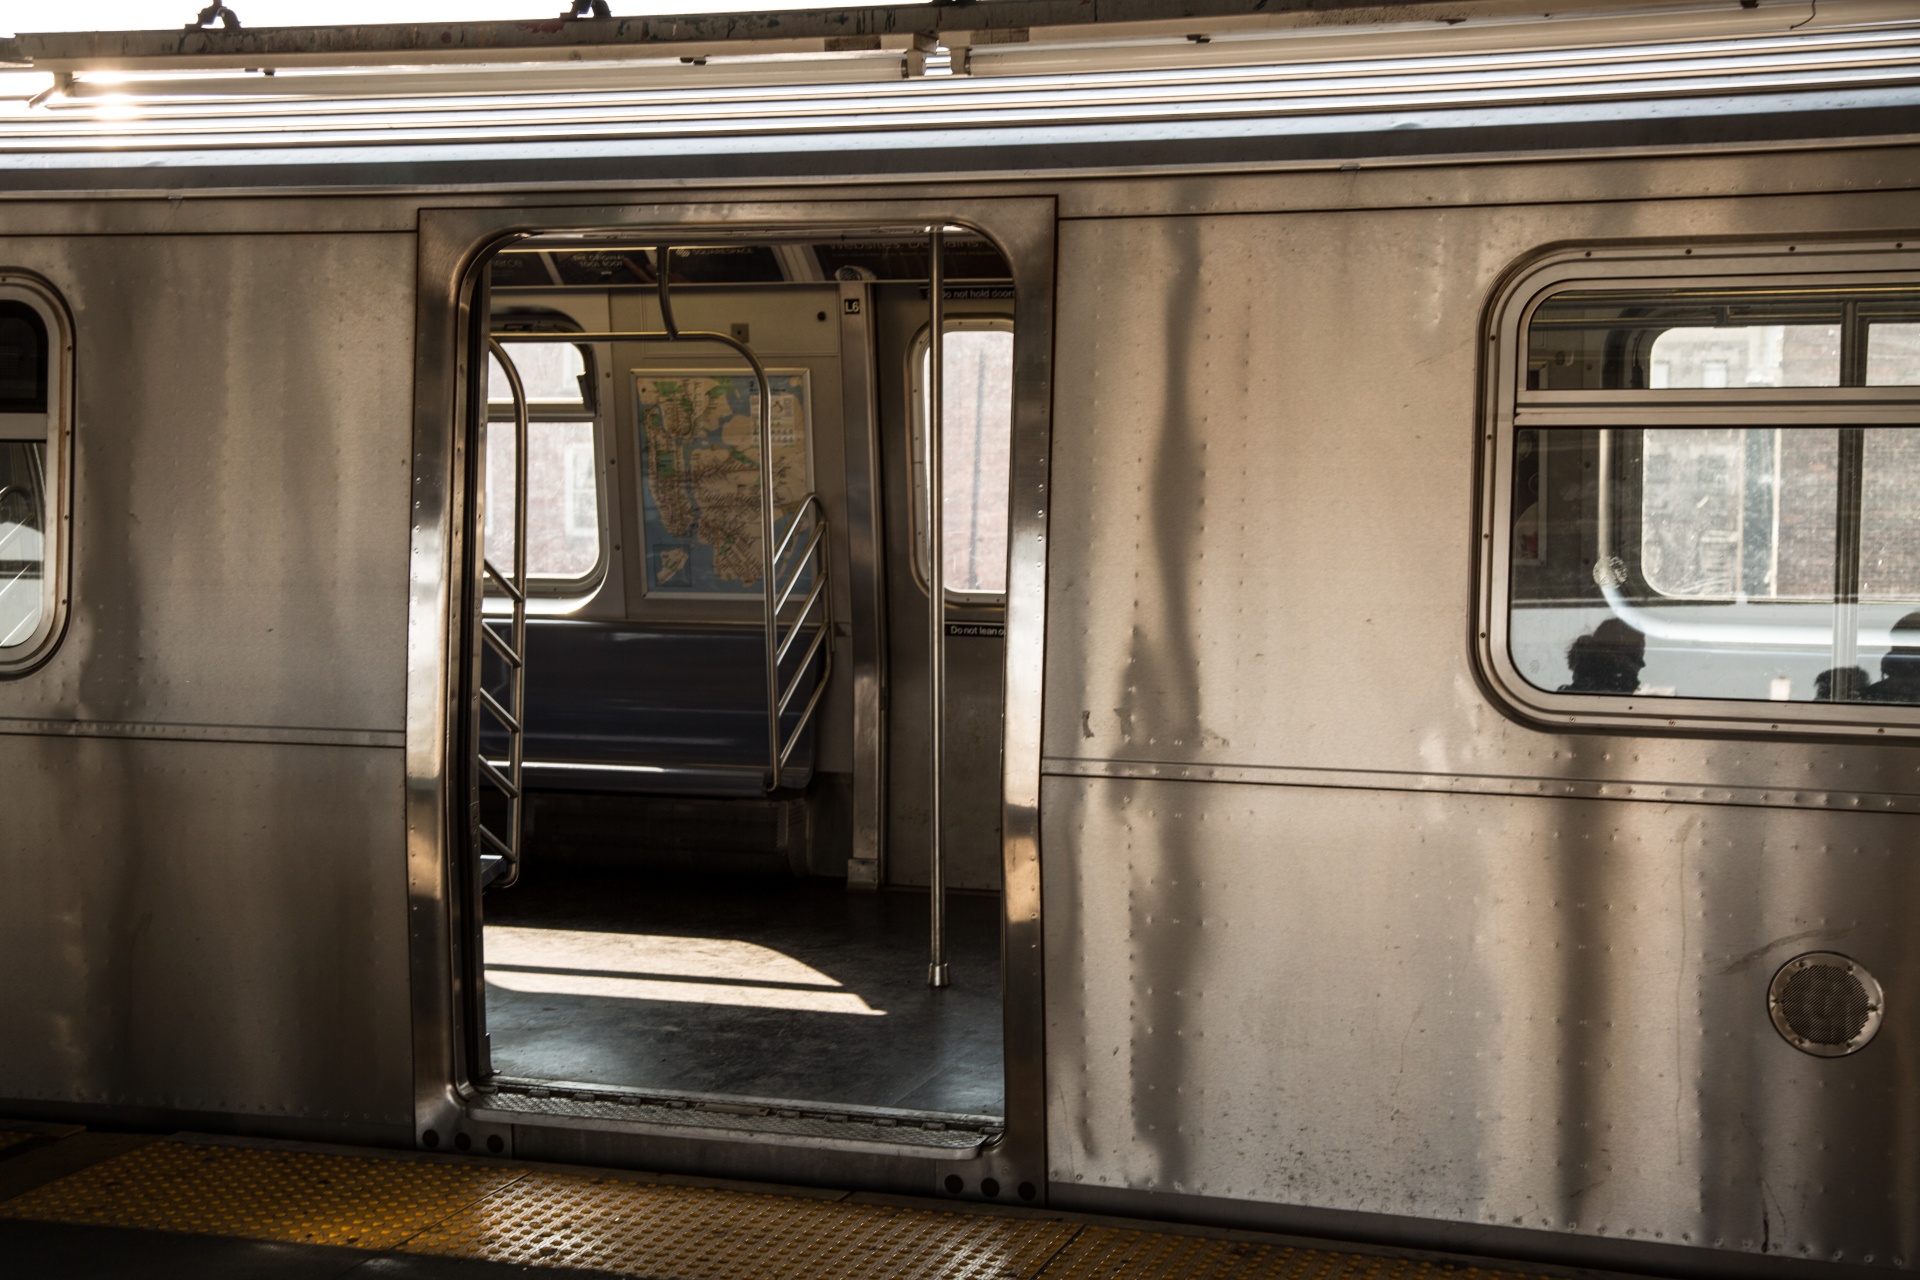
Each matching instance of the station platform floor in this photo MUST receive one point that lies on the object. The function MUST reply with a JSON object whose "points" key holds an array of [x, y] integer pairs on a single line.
{"points": [[84, 1205]]}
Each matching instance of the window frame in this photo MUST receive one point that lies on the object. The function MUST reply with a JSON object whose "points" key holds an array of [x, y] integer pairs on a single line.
{"points": [[591, 410], [962, 322], [56, 430], [1509, 407]]}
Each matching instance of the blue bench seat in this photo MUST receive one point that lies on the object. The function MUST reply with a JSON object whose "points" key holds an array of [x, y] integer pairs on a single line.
{"points": [[649, 709]]}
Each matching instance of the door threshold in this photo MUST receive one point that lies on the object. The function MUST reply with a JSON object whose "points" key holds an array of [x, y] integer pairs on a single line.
{"points": [[868, 1130]]}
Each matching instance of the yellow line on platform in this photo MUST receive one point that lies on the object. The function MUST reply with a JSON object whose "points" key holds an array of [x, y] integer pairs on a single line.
{"points": [[661, 1231]]}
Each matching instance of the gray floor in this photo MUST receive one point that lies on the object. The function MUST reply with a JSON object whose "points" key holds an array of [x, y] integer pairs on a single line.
{"points": [[794, 989]]}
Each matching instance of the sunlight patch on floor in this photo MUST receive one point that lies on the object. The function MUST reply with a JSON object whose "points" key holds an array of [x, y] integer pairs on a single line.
{"points": [[638, 966]]}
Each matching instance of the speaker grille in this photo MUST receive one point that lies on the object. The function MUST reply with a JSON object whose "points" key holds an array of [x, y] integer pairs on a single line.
{"points": [[1825, 1004]]}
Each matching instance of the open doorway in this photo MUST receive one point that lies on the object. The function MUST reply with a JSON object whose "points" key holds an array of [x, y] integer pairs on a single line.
{"points": [[684, 902]]}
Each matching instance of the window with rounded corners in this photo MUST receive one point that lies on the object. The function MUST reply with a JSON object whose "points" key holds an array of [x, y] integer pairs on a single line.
{"points": [[566, 535], [36, 438], [1702, 489], [976, 455]]}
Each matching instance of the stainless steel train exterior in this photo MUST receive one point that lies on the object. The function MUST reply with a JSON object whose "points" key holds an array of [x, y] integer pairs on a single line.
{"points": [[1311, 921]]}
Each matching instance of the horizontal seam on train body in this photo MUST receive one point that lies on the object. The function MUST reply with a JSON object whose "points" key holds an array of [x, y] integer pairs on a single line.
{"points": [[267, 735], [1483, 784]]}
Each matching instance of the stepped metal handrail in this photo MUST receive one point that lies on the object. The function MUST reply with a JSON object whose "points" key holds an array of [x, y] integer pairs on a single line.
{"points": [[512, 650], [779, 747], [812, 556]]}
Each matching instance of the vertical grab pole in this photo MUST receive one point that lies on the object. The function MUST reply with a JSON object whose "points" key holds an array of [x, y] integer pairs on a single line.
{"points": [[1846, 538], [937, 975], [515, 761], [769, 570]]}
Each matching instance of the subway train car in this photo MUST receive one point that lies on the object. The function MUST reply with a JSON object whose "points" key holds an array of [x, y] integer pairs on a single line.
{"points": [[1298, 616]]}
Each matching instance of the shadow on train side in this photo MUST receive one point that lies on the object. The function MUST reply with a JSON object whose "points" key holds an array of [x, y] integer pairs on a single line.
{"points": [[657, 917]]}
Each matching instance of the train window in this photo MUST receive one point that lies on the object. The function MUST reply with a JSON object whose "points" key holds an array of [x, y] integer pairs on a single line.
{"points": [[35, 354], [1753, 339], [563, 469], [1709, 496], [977, 428], [553, 374], [1893, 355]]}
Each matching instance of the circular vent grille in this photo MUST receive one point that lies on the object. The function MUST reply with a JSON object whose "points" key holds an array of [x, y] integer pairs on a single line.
{"points": [[1825, 1004]]}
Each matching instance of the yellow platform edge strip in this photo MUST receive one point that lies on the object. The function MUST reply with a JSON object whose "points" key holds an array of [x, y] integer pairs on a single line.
{"points": [[573, 1221]]}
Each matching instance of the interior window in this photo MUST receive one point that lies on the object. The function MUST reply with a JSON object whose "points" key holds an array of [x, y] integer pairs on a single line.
{"points": [[31, 431], [23, 544], [1759, 558], [1893, 354], [1761, 355], [553, 374], [563, 491], [23, 359], [1734, 338], [976, 453]]}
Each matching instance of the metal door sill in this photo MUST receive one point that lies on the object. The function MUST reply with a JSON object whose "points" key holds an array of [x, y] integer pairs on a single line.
{"points": [[866, 1130]]}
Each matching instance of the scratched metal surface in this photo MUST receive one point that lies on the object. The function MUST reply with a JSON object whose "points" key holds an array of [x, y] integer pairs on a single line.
{"points": [[203, 844], [1314, 935], [1512, 1011]]}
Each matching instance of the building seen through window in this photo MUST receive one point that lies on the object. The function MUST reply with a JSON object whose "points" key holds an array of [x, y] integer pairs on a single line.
{"points": [[563, 495], [976, 454]]}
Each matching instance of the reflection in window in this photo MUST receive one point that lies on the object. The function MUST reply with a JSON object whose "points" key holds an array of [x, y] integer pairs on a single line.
{"points": [[23, 542], [1702, 563], [975, 456]]}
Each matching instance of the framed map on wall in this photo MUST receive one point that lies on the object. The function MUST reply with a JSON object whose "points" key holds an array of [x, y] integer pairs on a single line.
{"points": [[700, 474]]}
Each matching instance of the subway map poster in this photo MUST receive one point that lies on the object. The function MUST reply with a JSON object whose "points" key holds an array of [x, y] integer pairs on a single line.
{"points": [[700, 456]]}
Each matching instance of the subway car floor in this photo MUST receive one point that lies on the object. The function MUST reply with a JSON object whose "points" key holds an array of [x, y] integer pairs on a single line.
{"points": [[794, 989], [83, 1205]]}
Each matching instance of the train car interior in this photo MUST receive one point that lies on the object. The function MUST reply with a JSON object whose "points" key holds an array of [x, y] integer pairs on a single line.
{"points": [[1737, 522], [675, 893]]}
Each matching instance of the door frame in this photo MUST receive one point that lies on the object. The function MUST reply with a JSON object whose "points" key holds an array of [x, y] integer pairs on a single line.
{"points": [[453, 245]]}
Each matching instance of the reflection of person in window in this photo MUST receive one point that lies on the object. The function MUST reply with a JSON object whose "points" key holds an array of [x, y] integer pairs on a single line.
{"points": [[1900, 670], [1607, 660], [1852, 681]]}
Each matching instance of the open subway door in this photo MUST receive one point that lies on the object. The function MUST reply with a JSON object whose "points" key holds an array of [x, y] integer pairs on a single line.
{"points": [[682, 906]]}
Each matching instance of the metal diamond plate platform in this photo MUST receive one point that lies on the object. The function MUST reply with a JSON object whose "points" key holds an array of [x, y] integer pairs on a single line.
{"points": [[298, 1197], [707, 1234], [470, 1211]]}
